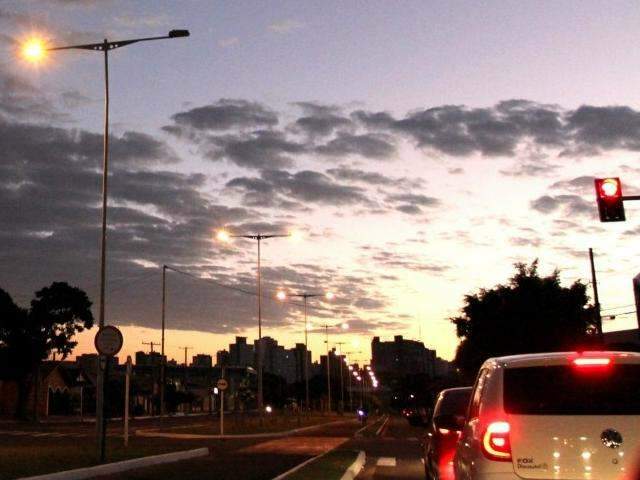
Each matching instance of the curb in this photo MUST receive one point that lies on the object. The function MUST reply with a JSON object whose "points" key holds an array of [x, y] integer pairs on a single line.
{"points": [[117, 467], [198, 436], [354, 469]]}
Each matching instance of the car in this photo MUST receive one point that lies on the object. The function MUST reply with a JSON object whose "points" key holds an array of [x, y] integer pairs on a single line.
{"points": [[439, 443], [569, 415], [415, 416]]}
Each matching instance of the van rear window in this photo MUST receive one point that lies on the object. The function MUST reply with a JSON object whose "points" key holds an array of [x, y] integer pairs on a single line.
{"points": [[567, 390]]}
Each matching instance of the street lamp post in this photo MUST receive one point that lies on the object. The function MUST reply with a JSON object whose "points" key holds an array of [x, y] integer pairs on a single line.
{"points": [[305, 296], [224, 236], [341, 407], [35, 51], [326, 330]]}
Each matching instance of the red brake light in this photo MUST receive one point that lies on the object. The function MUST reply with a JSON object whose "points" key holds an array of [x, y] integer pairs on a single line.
{"points": [[592, 362], [495, 442]]}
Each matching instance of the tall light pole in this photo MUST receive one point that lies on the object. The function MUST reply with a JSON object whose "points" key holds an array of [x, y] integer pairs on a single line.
{"points": [[345, 326], [305, 296], [34, 51], [225, 237], [339, 344]]}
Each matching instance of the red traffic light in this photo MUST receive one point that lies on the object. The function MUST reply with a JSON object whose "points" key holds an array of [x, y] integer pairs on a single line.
{"points": [[610, 199], [610, 188]]}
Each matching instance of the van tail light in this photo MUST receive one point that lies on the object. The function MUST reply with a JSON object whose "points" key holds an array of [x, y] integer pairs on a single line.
{"points": [[592, 362], [495, 442]]}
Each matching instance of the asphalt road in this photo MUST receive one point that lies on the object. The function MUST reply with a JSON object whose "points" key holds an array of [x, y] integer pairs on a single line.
{"points": [[394, 454], [259, 459]]}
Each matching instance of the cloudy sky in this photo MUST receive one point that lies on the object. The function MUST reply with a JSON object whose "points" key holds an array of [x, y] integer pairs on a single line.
{"points": [[422, 148]]}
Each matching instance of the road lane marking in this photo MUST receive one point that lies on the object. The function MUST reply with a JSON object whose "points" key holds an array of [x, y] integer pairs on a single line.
{"points": [[386, 462], [382, 426]]}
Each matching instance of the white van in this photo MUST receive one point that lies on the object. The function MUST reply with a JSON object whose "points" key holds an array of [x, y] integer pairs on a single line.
{"points": [[559, 416]]}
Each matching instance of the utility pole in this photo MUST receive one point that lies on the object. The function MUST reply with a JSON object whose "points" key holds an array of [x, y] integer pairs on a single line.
{"points": [[151, 344], [596, 300], [163, 360]]}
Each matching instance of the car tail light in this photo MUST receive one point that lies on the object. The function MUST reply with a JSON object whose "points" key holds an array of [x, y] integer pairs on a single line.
{"points": [[495, 442], [444, 431], [592, 362]]}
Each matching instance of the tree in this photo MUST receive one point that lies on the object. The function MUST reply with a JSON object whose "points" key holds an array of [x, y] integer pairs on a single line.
{"points": [[27, 337], [529, 314]]}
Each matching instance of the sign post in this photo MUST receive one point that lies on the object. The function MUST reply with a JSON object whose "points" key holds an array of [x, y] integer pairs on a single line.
{"points": [[222, 386], [108, 342]]}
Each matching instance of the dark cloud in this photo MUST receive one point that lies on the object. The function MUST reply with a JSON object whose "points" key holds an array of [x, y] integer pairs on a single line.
{"points": [[303, 186], [226, 114], [528, 168], [374, 178], [374, 146], [392, 259], [19, 99], [259, 150], [414, 199], [39, 143], [526, 242], [569, 205], [320, 120], [604, 128], [580, 185]]}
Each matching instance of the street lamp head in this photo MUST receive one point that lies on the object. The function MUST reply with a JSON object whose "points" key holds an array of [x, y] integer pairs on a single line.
{"points": [[295, 235], [34, 49], [223, 236], [345, 326], [178, 33], [281, 295], [329, 295]]}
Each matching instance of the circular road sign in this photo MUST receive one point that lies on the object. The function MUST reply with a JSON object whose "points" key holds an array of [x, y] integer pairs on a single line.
{"points": [[222, 384], [108, 341]]}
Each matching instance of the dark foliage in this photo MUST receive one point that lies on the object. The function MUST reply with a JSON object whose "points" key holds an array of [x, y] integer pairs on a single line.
{"points": [[29, 336], [530, 314]]}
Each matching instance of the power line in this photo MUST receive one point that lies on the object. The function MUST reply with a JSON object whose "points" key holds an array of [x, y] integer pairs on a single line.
{"points": [[243, 291]]}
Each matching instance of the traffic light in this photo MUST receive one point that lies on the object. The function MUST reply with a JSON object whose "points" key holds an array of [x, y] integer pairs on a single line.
{"points": [[610, 199]]}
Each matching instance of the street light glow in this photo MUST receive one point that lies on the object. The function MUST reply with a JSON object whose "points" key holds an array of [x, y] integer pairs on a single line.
{"points": [[329, 295], [295, 235], [223, 236], [281, 295], [345, 326], [33, 49]]}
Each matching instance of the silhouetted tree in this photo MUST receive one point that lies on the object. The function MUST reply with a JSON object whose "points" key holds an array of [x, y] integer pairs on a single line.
{"points": [[27, 337], [529, 314]]}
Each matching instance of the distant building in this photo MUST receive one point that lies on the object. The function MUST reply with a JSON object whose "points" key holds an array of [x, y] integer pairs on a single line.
{"points": [[241, 354], [151, 359], [401, 357], [202, 360], [299, 358], [222, 358], [277, 360]]}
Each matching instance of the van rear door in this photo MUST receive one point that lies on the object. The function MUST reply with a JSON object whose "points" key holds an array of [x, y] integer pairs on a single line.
{"points": [[574, 421]]}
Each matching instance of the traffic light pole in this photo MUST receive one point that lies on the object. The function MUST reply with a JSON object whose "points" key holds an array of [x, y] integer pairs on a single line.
{"points": [[596, 299]]}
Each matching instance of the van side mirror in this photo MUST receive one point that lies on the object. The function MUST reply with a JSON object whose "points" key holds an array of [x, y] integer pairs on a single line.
{"points": [[449, 422]]}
